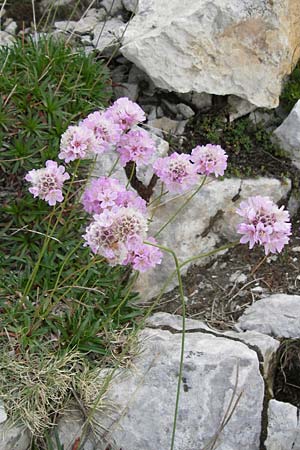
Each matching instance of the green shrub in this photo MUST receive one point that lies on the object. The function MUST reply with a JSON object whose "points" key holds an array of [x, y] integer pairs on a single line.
{"points": [[44, 88], [291, 91]]}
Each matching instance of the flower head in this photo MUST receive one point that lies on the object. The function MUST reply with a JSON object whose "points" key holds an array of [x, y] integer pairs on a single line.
{"points": [[142, 256], [77, 142], [137, 146], [106, 131], [125, 113], [110, 232], [209, 159], [264, 224], [106, 193], [177, 172], [47, 182]]}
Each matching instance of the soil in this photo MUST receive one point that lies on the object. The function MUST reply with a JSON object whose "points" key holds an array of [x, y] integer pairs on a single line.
{"points": [[21, 12], [286, 380], [219, 292]]}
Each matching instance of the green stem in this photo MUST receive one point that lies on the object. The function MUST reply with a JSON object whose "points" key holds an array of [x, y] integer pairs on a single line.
{"points": [[212, 252], [49, 234], [178, 267], [131, 176], [113, 167], [181, 207]]}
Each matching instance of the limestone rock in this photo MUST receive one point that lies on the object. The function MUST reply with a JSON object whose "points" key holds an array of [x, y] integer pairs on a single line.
{"points": [[265, 346], [288, 134], [185, 111], [277, 315], [3, 414], [209, 216], [283, 427], [70, 427], [107, 34], [244, 47], [13, 437], [128, 90], [239, 107], [112, 7], [131, 5], [168, 125], [215, 370], [6, 39]]}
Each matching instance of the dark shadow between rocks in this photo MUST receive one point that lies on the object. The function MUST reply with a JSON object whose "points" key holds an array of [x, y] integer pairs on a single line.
{"points": [[286, 385]]}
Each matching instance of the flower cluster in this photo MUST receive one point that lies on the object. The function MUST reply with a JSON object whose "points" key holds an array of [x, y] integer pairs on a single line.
{"points": [[47, 183], [107, 133], [177, 172], [118, 235], [264, 224], [180, 172], [106, 193], [119, 227], [137, 146], [126, 113], [209, 159], [77, 143]]}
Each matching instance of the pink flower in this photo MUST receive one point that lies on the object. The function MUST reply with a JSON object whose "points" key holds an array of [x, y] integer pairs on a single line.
{"points": [[125, 113], [106, 193], [209, 159], [47, 183], [264, 224], [77, 142], [177, 172], [130, 199], [143, 256], [108, 234], [106, 131], [136, 146]]}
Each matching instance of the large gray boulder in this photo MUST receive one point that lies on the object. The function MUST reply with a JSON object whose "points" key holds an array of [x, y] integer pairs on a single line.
{"points": [[277, 315], [209, 217], [288, 134], [239, 47], [216, 371], [283, 427], [14, 437]]}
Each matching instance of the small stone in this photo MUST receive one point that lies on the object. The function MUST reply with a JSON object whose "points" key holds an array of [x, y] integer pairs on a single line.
{"points": [[257, 289], [296, 249], [86, 25], [3, 414], [10, 26], [131, 5], [277, 315], [86, 39], [119, 74], [265, 118], [238, 277], [185, 111], [112, 7], [293, 203], [100, 14], [283, 427], [238, 107], [6, 39], [65, 25], [129, 90], [14, 437], [168, 125], [288, 134], [107, 34]]}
